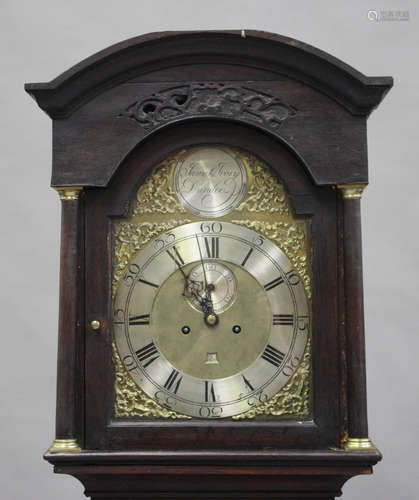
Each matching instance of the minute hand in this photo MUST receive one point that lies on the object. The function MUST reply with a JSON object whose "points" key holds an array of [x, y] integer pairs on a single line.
{"points": [[203, 268], [209, 315]]}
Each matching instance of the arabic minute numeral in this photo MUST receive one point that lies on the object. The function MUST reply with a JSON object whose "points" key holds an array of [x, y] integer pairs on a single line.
{"points": [[165, 240], [211, 227], [258, 240], [210, 412], [119, 317], [129, 362], [288, 369], [257, 399], [302, 322], [293, 277], [130, 274]]}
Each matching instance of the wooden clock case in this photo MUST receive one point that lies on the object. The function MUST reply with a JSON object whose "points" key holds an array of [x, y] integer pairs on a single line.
{"points": [[116, 115]]}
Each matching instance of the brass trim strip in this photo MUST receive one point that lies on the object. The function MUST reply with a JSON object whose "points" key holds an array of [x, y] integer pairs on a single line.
{"points": [[69, 193], [352, 191]]}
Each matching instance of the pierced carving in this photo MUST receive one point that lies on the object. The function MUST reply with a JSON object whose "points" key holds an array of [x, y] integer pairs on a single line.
{"points": [[210, 99]]}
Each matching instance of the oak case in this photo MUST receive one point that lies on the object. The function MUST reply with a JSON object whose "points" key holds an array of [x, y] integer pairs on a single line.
{"points": [[303, 114]]}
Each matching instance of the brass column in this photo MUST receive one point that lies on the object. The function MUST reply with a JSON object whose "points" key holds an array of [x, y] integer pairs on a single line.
{"points": [[66, 426], [354, 319]]}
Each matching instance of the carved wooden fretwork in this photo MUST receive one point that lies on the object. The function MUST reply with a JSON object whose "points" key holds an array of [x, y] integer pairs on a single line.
{"points": [[209, 99]]}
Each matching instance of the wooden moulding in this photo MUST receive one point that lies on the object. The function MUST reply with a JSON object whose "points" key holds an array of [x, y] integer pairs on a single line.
{"points": [[311, 101], [215, 475], [268, 51]]}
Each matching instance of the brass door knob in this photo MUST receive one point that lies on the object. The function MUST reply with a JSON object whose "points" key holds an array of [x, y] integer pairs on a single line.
{"points": [[95, 325]]}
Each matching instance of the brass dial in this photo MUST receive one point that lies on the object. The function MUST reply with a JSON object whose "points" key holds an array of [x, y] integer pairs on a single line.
{"points": [[180, 357]]}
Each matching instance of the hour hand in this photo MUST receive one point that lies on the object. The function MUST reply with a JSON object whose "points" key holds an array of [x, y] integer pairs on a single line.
{"points": [[192, 289]]}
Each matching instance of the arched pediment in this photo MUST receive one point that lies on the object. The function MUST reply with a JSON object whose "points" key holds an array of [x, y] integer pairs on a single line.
{"points": [[264, 52]]}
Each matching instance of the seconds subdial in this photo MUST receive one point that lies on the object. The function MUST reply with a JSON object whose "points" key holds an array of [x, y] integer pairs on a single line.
{"points": [[221, 283]]}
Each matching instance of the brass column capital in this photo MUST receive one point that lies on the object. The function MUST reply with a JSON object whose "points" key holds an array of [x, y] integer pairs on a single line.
{"points": [[69, 193], [352, 191]]}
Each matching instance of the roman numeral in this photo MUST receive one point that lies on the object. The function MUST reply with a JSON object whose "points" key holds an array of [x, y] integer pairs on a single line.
{"points": [[209, 391], [144, 319], [173, 381], [283, 319], [273, 283], [148, 283], [212, 246], [249, 253], [175, 256], [249, 385], [149, 352], [273, 356]]}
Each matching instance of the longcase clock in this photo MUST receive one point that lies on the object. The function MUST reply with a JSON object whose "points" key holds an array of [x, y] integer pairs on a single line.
{"points": [[211, 339]]}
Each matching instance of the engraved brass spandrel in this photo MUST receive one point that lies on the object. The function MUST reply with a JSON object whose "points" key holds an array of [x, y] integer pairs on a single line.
{"points": [[157, 195], [130, 237], [265, 209], [131, 401], [265, 193]]}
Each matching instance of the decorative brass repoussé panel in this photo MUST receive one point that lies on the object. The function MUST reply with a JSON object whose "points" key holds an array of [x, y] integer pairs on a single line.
{"points": [[265, 209]]}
